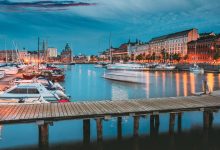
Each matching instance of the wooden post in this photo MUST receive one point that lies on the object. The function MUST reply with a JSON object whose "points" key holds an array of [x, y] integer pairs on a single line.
{"points": [[151, 124], [136, 125], [211, 118], [119, 127], [43, 135], [179, 122], [204, 86], [157, 123], [206, 119], [86, 130], [172, 122], [99, 129]]}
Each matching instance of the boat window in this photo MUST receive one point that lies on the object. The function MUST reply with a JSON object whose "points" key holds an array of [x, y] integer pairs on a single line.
{"points": [[24, 91]]}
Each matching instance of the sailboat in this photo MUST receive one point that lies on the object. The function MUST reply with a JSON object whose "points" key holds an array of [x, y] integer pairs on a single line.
{"points": [[195, 68]]}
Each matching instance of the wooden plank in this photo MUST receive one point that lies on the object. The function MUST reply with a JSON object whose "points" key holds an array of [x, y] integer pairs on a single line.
{"points": [[20, 112], [8, 112], [14, 114]]}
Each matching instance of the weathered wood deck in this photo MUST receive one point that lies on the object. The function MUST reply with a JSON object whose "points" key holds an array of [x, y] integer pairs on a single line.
{"points": [[45, 114], [86, 110]]}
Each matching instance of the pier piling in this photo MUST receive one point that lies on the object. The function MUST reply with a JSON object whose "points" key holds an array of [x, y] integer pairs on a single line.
{"points": [[43, 135], [86, 130], [207, 119], [136, 125], [171, 123], [99, 129], [152, 127], [119, 127], [179, 121], [157, 123]]}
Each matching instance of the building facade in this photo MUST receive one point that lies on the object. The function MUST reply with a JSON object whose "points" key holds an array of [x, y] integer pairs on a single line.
{"points": [[66, 54], [51, 52], [173, 43], [204, 50]]}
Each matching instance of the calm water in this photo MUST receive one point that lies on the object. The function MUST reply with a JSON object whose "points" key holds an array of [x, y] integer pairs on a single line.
{"points": [[85, 83]]}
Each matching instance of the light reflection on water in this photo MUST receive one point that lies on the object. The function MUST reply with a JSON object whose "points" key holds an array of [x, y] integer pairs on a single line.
{"points": [[84, 83]]}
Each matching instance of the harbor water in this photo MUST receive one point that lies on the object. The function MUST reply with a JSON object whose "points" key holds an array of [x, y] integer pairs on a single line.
{"points": [[86, 83]]}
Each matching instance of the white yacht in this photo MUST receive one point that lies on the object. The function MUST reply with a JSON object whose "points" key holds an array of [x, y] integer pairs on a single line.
{"points": [[9, 70], [26, 92], [126, 76], [196, 69], [131, 67]]}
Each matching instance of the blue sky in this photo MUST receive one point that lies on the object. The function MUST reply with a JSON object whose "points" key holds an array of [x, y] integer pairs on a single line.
{"points": [[86, 24]]}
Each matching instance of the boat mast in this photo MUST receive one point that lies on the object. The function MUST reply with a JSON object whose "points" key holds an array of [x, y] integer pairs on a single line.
{"points": [[38, 50], [195, 51], [110, 48], [6, 54]]}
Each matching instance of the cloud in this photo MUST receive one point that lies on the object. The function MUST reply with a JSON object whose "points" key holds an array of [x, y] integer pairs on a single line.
{"points": [[48, 5]]}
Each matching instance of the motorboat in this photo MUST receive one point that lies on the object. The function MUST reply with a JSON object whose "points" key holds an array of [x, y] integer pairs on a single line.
{"points": [[25, 92], [126, 76], [47, 83], [23, 100], [9, 70], [55, 75], [2, 74], [196, 69], [131, 67]]}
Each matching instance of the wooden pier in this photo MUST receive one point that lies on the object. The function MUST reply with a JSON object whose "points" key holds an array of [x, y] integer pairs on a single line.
{"points": [[45, 114]]}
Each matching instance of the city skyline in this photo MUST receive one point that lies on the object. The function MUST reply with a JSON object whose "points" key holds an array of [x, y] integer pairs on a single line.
{"points": [[86, 25]]}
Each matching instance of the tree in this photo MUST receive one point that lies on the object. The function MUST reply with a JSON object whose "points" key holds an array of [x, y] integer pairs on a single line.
{"points": [[186, 57], [139, 57], [176, 57], [216, 56]]}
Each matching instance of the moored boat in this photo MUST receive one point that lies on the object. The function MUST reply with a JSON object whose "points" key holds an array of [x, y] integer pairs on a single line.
{"points": [[9, 70], [196, 69]]}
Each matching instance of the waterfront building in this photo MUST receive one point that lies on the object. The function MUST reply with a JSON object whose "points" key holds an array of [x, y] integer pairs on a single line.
{"points": [[51, 52], [173, 43], [66, 54], [139, 49], [204, 50]]}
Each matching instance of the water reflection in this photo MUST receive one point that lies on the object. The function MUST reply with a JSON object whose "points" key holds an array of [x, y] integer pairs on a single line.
{"points": [[192, 82], [185, 82], [85, 83], [210, 81], [177, 84]]}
